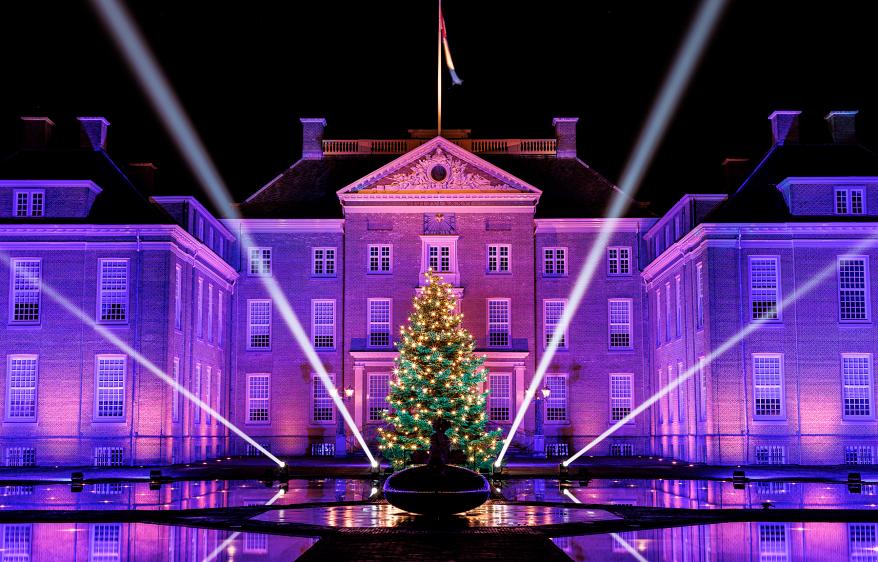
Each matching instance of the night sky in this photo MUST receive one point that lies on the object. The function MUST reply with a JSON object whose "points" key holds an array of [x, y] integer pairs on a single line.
{"points": [[246, 71]]}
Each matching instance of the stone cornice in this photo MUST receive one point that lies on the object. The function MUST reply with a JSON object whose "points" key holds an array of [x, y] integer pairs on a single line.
{"points": [[334, 226]]}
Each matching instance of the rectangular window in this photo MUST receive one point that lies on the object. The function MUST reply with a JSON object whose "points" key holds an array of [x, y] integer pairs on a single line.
{"points": [[114, 290], [16, 542], [255, 543], [773, 544], [218, 405], [661, 384], [323, 260], [556, 403], [768, 386], [670, 395], [699, 296], [555, 261], [681, 393], [618, 260], [857, 454], [376, 400], [863, 542], [207, 391], [658, 317], [498, 258], [668, 311], [553, 309], [219, 318], [258, 398], [380, 258], [499, 323], [108, 456], [439, 258], [29, 203], [178, 298], [621, 450], [771, 454], [210, 312], [21, 456], [322, 409], [678, 303], [21, 385], [702, 390], [379, 323], [259, 324], [323, 324], [850, 202], [500, 398], [110, 387], [621, 396], [106, 542], [199, 310], [196, 390], [260, 261], [199, 227], [620, 324], [175, 394], [853, 291], [26, 290], [856, 374], [764, 288]]}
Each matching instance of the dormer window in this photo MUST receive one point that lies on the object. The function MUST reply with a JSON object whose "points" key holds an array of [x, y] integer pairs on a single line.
{"points": [[850, 201], [28, 203]]}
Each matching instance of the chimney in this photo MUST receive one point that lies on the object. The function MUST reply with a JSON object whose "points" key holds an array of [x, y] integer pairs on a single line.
{"points": [[784, 127], [735, 172], [842, 126], [142, 175], [565, 132], [93, 132], [37, 131], [312, 137]]}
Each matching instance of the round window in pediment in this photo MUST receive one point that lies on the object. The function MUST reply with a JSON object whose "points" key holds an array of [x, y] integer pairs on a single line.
{"points": [[438, 172]]}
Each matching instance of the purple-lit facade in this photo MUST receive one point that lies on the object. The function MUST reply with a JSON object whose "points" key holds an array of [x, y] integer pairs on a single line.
{"points": [[347, 232]]}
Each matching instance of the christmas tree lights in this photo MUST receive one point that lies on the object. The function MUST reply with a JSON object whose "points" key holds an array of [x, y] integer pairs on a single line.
{"points": [[437, 377]]}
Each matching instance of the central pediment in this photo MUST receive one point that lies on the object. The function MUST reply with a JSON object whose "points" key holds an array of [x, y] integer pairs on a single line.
{"points": [[438, 169]]}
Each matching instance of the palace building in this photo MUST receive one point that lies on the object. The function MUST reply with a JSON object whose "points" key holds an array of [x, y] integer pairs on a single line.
{"points": [[762, 293]]}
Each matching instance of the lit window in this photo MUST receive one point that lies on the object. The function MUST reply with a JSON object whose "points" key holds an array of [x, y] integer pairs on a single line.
{"points": [[21, 456], [621, 450], [658, 317], [376, 399], [498, 258], [178, 298], [681, 393], [618, 260], [16, 545], [218, 406], [556, 403], [21, 384], [863, 541], [669, 396], [499, 323], [196, 390], [768, 386], [702, 388], [500, 398], [175, 396], [108, 456], [678, 303], [668, 311], [856, 372], [114, 290], [259, 325], [26, 281], [110, 399], [255, 543], [106, 542], [552, 312], [210, 312], [699, 296], [199, 310], [771, 454], [621, 396], [323, 324], [260, 261], [859, 454], [219, 319], [322, 409], [554, 261], [620, 324], [764, 288], [379, 323], [439, 258], [258, 398], [28, 203], [323, 260], [207, 394], [380, 258], [850, 202], [853, 289]]}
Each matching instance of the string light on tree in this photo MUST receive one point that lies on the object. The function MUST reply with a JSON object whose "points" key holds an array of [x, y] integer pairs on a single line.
{"points": [[437, 377]]}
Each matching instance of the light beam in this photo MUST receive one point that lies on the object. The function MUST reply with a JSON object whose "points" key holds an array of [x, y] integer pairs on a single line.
{"points": [[165, 103], [662, 110], [616, 536], [226, 543]]}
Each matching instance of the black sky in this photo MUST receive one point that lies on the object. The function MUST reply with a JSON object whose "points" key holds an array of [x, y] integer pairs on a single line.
{"points": [[246, 71]]}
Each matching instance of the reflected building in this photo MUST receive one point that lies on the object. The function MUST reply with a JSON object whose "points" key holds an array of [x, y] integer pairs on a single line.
{"points": [[348, 231]]}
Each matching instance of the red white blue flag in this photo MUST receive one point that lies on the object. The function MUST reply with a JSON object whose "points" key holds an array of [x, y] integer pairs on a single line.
{"points": [[454, 78]]}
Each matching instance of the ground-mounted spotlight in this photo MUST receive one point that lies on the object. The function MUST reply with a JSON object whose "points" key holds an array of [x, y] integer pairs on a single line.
{"points": [[855, 483], [155, 480], [563, 470], [76, 482], [739, 479], [285, 486]]}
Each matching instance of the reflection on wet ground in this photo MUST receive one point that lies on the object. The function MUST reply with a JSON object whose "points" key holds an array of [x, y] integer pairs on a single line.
{"points": [[384, 515]]}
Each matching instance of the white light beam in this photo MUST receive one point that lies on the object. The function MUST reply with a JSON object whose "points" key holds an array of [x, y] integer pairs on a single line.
{"points": [[616, 536]]}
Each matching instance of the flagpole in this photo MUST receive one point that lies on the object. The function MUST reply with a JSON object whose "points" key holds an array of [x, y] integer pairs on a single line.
{"points": [[439, 75]]}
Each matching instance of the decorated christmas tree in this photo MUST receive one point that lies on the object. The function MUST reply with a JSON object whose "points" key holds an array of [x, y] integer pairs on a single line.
{"points": [[435, 387]]}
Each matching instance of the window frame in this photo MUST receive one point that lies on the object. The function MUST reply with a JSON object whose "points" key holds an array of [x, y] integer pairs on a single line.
{"points": [[678, 307], [565, 344], [845, 195], [619, 261], [554, 396], [753, 291], [250, 399], [175, 394], [250, 324], [315, 380], [324, 261], [866, 289], [616, 401], [126, 291], [495, 324], [199, 309], [630, 325], [498, 402], [371, 323], [699, 296], [554, 261], [372, 400], [178, 297], [29, 205], [14, 293], [782, 415], [869, 392], [498, 258], [261, 270], [34, 391], [97, 417], [380, 259], [314, 325]]}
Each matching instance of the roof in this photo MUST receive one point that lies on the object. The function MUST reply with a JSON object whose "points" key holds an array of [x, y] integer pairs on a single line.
{"points": [[119, 201], [570, 188], [759, 200]]}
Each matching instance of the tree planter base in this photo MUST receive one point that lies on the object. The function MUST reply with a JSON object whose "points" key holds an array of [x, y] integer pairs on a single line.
{"points": [[446, 490]]}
